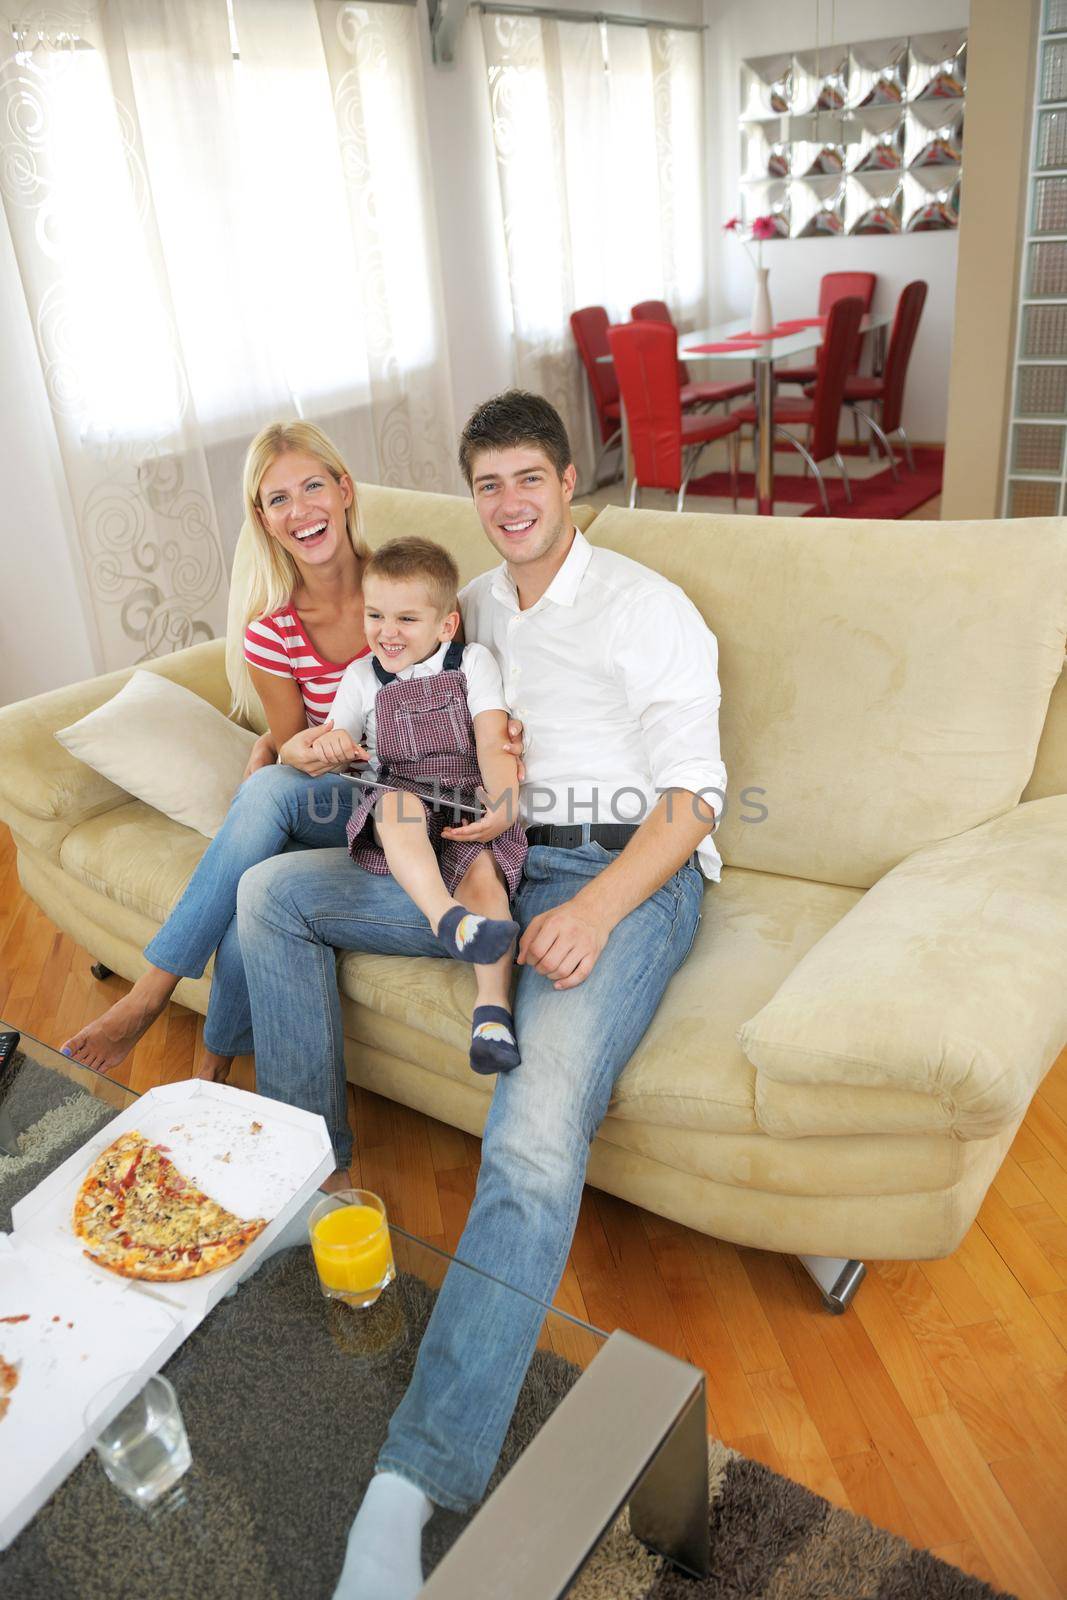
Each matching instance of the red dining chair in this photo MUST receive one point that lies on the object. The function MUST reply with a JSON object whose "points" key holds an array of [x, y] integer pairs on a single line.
{"points": [[590, 328], [822, 412], [835, 286], [887, 391], [664, 442], [692, 394]]}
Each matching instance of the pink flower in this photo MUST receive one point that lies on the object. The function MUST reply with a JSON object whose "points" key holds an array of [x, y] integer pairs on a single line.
{"points": [[731, 226], [764, 228]]}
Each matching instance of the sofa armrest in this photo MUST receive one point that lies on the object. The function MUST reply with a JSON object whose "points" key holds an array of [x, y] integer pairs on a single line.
{"points": [[44, 790], [948, 978]]}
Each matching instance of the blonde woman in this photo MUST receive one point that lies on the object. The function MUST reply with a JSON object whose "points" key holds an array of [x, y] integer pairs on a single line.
{"points": [[304, 626]]}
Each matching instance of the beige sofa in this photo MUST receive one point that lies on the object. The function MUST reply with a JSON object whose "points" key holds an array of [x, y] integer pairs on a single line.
{"points": [[880, 980]]}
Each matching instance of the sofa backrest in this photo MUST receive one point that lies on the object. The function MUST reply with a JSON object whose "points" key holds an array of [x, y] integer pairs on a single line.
{"points": [[885, 684]]}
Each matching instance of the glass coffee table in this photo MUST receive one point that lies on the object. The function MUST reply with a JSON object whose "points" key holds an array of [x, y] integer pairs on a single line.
{"points": [[286, 1397]]}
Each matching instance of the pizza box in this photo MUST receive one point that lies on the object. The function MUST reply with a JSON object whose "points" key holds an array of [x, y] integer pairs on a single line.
{"points": [[74, 1334], [257, 1157]]}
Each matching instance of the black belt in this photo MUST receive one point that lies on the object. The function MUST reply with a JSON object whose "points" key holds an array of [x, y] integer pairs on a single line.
{"points": [[568, 836]]}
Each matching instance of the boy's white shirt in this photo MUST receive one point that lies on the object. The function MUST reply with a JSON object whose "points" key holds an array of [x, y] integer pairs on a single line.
{"points": [[353, 706]]}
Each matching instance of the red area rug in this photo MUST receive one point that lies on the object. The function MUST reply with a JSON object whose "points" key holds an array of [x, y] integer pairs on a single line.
{"points": [[876, 496]]}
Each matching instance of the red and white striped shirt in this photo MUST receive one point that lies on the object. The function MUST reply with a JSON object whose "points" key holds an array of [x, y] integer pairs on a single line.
{"points": [[278, 644]]}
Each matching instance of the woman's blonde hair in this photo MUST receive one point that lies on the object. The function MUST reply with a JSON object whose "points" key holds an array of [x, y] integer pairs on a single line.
{"points": [[275, 573]]}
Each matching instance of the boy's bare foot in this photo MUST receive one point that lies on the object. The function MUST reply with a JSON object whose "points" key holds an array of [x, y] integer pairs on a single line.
{"points": [[109, 1040]]}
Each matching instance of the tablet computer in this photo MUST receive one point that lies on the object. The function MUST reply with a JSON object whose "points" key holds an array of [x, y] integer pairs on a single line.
{"points": [[440, 798]]}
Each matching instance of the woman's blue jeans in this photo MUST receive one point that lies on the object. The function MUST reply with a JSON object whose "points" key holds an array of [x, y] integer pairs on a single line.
{"points": [[276, 809]]}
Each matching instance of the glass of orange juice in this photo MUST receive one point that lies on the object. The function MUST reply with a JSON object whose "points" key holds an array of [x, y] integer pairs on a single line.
{"points": [[350, 1241]]}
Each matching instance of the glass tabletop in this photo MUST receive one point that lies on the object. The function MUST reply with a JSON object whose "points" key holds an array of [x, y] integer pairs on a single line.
{"points": [[789, 344]]}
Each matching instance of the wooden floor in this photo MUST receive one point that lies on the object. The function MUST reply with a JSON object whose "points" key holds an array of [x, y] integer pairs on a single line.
{"points": [[937, 1406]]}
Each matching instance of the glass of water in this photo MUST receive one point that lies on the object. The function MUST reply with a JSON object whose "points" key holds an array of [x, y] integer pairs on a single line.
{"points": [[143, 1449]]}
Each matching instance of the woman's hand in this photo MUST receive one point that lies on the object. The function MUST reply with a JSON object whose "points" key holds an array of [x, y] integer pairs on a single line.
{"points": [[302, 751], [264, 754], [337, 746], [514, 747]]}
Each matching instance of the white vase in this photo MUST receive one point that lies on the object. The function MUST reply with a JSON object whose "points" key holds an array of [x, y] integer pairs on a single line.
{"points": [[762, 320]]}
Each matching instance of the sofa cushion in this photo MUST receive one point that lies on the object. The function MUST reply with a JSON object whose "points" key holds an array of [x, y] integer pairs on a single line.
{"points": [[688, 1071], [884, 684], [44, 790], [948, 978], [135, 856]]}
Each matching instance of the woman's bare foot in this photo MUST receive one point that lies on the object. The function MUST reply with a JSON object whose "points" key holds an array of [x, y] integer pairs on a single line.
{"points": [[109, 1040], [215, 1069]]}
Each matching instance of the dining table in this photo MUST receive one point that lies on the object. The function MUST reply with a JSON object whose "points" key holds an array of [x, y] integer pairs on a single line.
{"points": [[733, 341]]}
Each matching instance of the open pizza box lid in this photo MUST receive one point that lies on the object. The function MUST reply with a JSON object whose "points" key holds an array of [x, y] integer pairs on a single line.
{"points": [[278, 1156]]}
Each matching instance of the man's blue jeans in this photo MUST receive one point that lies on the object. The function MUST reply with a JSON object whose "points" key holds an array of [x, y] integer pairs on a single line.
{"points": [[447, 1433], [276, 809]]}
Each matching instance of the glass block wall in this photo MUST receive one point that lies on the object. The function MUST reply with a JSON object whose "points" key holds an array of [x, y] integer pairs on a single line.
{"points": [[1036, 475], [863, 138]]}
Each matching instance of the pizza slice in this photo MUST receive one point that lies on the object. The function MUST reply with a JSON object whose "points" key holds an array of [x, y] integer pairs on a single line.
{"points": [[142, 1219], [9, 1377]]}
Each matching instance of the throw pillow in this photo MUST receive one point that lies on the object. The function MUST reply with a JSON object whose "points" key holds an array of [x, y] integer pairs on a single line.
{"points": [[167, 747]]}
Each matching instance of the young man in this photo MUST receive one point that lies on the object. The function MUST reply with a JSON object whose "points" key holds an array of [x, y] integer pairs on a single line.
{"points": [[614, 675]]}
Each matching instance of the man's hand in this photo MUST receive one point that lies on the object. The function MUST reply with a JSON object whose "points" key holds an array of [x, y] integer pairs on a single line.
{"points": [[563, 944], [264, 754], [514, 745]]}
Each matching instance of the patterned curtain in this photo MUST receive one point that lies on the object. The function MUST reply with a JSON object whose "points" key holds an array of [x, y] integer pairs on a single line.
{"points": [[598, 130], [212, 229]]}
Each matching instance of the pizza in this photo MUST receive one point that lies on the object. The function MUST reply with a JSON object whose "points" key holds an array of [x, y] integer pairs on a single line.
{"points": [[140, 1218], [9, 1377]]}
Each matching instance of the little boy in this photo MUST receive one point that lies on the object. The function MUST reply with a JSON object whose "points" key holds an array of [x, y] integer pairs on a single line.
{"points": [[430, 717]]}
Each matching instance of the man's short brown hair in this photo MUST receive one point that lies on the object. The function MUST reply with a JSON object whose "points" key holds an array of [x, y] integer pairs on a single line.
{"points": [[512, 419], [401, 560]]}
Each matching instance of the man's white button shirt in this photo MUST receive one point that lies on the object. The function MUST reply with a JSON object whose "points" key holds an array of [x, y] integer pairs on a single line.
{"points": [[614, 674]]}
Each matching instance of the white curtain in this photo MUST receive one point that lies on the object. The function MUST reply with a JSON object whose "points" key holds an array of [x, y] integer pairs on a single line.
{"points": [[217, 220], [598, 130]]}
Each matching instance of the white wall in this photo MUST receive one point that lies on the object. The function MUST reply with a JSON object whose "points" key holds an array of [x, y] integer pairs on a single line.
{"points": [[741, 29], [45, 637]]}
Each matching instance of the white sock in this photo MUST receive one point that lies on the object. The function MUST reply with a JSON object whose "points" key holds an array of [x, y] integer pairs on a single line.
{"points": [[384, 1556]]}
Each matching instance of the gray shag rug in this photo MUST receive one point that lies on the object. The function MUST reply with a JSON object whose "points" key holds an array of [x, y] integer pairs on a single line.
{"points": [[286, 1400], [57, 1117]]}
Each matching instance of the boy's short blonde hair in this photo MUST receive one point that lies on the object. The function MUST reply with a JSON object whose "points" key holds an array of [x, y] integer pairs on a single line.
{"points": [[401, 560]]}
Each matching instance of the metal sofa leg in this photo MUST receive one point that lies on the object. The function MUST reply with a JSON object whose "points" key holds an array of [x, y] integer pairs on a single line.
{"points": [[98, 970], [837, 1279]]}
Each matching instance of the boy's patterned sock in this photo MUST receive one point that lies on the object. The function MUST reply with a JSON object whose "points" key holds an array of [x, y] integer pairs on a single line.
{"points": [[469, 937], [493, 1046]]}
